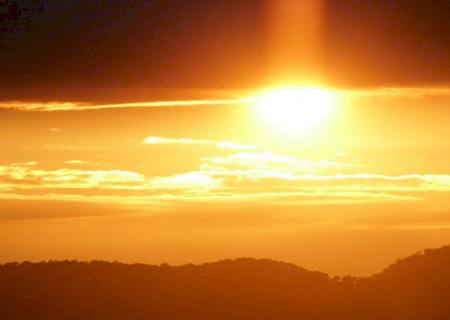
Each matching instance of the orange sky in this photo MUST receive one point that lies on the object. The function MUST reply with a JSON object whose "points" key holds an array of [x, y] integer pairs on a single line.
{"points": [[194, 183], [126, 169]]}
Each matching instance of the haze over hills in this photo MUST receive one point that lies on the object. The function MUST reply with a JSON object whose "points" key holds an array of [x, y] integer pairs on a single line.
{"points": [[417, 287]]}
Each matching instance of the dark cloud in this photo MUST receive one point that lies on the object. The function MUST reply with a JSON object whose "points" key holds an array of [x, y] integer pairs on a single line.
{"points": [[70, 46], [388, 42]]}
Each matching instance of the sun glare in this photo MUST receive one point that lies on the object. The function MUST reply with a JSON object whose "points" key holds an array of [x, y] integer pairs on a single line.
{"points": [[296, 108]]}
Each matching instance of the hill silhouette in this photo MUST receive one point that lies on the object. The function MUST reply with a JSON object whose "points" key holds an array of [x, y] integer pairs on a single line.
{"points": [[417, 287]]}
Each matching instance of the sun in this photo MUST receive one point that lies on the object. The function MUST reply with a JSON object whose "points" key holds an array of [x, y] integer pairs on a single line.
{"points": [[296, 107]]}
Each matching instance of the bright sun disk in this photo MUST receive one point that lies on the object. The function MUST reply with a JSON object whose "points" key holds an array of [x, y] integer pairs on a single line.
{"points": [[296, 108]]}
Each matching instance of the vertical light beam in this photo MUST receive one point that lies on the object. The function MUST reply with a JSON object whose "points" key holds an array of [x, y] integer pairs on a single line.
{"points": [[295, 40]]}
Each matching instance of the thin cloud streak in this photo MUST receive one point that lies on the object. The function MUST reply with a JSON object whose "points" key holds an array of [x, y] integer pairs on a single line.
{"points": [[73, 106], [226, 145], [399, 92], [388, 92]]}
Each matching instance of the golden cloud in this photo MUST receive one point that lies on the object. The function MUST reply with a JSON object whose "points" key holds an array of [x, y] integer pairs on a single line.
{"points": [[241, 176], [78, 106], [227, 145]]}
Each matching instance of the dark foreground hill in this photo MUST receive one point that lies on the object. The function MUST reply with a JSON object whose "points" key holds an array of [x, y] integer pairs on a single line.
{"points": [[417, 287]]}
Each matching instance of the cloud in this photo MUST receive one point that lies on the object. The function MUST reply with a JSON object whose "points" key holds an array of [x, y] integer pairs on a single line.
{"points": [[196, 181], [226, 145], [25, 164], [76, 162], [21, 177], [270, 175], [258, 180], [395, 92], [245, 176], [273, 162], [388, 92], [78, 106]]}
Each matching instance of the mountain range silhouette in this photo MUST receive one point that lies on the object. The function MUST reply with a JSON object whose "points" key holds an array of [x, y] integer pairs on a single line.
{"points": [[417, 287]]}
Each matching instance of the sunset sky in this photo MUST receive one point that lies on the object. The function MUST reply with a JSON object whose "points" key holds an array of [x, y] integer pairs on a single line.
{"points": [[313, 132]]}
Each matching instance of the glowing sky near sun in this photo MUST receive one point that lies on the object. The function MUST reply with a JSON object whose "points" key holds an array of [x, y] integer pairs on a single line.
{"points": [[174, 172]]}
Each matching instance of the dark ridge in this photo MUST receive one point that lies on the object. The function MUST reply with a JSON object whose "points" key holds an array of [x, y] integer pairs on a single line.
{"points": [[417, 287]]}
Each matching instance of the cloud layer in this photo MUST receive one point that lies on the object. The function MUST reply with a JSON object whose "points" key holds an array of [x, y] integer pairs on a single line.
{"points": [[245, 176]]}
